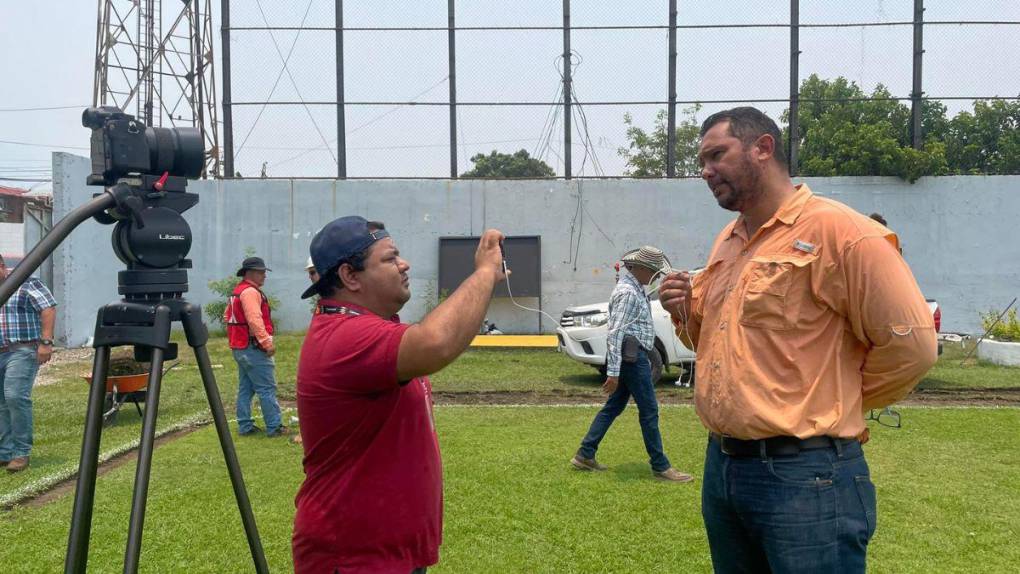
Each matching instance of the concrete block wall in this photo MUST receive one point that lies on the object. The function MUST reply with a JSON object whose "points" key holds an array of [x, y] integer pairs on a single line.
{"points": [[955, 232]]}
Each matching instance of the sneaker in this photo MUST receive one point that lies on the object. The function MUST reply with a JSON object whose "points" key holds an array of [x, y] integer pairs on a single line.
{"points": [[672, 475], [254, 430], [18, 464], [581, 463], [280, 431]]}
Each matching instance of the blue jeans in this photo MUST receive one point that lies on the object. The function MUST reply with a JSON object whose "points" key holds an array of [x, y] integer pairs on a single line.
{"points": [[256, 375], [636, 381], [813, 512], [17, 375]]}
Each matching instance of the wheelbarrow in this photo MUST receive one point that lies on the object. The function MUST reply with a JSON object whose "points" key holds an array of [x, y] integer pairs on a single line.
{"points": [[122, 389]]}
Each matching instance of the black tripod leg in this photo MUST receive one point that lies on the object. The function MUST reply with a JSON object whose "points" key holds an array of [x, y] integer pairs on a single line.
{"points": [[197, 337], [141, 490], [81, 517]]}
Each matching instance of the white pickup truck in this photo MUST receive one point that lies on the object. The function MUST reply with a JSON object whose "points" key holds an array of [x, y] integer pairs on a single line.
{"points": [[582, 337]]}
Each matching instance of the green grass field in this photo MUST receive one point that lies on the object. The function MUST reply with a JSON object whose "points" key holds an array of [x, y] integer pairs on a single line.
{"points": [[952, 373], [60, 408], [948, 484]]}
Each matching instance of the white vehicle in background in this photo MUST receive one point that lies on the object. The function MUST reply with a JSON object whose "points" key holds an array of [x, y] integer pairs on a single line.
{"points": [[582, 336]]}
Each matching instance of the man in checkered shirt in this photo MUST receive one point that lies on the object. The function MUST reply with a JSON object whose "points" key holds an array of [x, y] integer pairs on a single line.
{"points": [[26, 341], [630, 337]]}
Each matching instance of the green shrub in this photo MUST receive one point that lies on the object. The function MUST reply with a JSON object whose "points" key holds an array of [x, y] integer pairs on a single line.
{"points": [[1006, 329], [224, 287]]}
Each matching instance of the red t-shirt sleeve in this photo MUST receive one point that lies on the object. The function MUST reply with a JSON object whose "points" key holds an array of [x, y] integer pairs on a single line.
{"points": [[369, 363]]}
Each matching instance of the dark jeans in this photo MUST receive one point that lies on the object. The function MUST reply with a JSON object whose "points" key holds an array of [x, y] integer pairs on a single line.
{"points": [[636, 381], [812, 513]]}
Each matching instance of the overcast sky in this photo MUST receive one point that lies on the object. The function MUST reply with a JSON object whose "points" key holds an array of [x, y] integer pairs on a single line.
{"points": [[48, 59]]}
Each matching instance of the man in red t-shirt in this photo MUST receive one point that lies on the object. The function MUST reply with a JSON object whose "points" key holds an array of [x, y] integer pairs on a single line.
{"points": [[372, 499]]}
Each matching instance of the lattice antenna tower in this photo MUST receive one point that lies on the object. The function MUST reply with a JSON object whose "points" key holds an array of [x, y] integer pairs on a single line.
{"points": [[163, 79]]}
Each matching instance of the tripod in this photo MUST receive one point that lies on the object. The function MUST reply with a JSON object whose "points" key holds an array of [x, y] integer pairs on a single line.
{"points": [[147, 326], [152, 238]]}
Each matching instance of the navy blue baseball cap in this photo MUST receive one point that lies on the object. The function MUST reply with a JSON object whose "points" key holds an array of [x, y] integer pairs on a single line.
{"points": [[337, 242]]}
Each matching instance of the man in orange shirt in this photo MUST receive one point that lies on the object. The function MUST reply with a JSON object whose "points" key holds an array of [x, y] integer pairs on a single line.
{"points": [[804, 318]]}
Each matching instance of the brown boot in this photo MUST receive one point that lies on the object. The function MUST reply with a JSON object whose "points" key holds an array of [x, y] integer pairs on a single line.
{"points": [[672, 475], [581, 463], [280, 431], [17, 465]]}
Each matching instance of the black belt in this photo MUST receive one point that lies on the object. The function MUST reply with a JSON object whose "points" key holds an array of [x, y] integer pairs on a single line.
{"points": [[13, 346], [774, 446]]}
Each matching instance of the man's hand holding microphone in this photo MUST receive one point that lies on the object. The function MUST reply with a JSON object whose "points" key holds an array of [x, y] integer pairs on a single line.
{"points": [[675, 296]]}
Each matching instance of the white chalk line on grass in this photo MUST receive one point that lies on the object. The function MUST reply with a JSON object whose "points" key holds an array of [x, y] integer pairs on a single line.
{"points": [[68, 471]]}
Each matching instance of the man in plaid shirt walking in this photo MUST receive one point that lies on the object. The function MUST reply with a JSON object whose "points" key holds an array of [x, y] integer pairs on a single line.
{"points": [[26, 341], [630, 338]]}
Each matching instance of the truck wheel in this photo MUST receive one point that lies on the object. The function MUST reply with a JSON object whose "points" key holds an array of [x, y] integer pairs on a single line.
{"points": [[656, 360]]}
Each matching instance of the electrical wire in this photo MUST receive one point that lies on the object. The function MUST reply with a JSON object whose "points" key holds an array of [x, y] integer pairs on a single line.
{"points": [[369, 122], [42, 109], [291, 76], [275, 83], [29, 144]]}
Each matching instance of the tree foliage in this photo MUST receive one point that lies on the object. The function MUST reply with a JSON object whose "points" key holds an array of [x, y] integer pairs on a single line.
{"points": [[517, 164], [224, 288], [845, 131], [646, 153]]}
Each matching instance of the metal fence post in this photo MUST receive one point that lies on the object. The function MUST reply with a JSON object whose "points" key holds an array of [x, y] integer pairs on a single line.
{"points": [[794, 138], [197, 75], [228, 116], [453, 88], [671, 108], [916, 134], [341, 107], [567, 93]]}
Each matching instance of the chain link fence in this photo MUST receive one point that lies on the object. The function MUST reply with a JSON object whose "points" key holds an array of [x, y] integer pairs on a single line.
{"points": [[391, 89]]}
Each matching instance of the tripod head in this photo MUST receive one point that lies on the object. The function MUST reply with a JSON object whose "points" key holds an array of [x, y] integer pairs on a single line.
{"points": [[150, 235]]}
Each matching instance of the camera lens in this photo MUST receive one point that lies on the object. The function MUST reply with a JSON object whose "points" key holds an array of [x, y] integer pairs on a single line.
{"points": [[179, 151]]}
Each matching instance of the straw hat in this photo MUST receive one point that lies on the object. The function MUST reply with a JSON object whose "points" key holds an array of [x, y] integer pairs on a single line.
{"points": [[648, 257]]}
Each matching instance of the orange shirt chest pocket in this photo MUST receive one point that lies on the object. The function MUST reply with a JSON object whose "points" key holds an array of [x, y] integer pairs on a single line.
{"points": [[775, 286]]}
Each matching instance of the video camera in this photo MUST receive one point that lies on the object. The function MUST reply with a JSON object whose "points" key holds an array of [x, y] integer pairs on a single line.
{"points": [[145, 170], [121, 146]]}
